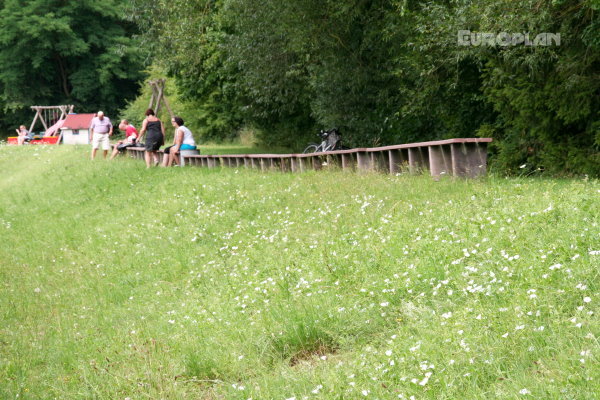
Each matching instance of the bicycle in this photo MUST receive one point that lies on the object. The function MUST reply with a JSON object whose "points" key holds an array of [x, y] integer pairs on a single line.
{"points": [[330, 141]]}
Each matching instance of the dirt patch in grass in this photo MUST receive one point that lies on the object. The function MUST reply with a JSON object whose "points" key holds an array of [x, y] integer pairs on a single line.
{"points": [[309, 355]]}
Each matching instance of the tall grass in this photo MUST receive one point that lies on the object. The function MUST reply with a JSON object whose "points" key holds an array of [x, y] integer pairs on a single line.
{"points": [[120, 282]]}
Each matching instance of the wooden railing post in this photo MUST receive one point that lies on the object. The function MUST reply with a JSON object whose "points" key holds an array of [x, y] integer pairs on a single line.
{"points": [[440, 160], [469, 159]]}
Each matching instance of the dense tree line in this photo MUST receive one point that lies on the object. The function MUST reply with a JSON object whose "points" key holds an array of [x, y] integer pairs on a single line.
{"points": [[389, 71], [383, 71], [66, 52]]}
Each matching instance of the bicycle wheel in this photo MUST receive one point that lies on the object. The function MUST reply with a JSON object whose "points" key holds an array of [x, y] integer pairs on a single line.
{"points": [[311, 148]]}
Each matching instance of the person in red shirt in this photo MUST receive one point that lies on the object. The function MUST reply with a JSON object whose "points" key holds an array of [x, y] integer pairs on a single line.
{"points": [[130, 140]]}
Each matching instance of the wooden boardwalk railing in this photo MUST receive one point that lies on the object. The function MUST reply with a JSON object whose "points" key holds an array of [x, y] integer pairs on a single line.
{"points": [[456, 157]]}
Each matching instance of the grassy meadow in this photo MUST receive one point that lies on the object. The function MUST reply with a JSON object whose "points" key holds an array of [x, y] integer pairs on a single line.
{"points": [[118, 282]]}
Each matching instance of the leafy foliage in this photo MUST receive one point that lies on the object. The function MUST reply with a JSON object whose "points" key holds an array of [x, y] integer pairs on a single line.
{"points": [[390, 71], [66, 52], [383, 71], [547, 98], [185, 39]]}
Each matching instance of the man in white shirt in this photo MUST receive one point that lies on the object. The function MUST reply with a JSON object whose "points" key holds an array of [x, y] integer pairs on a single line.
{"points": [[101, 130]]}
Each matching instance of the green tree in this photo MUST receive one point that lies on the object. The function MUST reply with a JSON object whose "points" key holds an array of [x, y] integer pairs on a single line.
{"points": [[67, 52], [390, 71], [540, 104], [547, 97], [185, 39], [316, 64]]}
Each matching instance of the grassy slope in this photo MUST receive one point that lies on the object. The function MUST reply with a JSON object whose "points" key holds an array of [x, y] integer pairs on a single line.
{"points": [[117, 282]]}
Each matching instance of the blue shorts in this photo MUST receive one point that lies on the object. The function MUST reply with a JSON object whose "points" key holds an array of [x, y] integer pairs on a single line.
{"points": [[182, 147]]}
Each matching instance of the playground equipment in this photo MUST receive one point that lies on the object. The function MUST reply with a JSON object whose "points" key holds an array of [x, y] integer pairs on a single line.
{"points": [[52, 119], [50, 116]]}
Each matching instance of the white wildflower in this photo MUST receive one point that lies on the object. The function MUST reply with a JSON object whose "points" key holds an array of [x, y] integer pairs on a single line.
{"points": [[426, 379]]}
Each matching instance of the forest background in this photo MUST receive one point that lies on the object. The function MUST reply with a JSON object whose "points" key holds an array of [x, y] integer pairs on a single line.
{"points": [[382, 71]]}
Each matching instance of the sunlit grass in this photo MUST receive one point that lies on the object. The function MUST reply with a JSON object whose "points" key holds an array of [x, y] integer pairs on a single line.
{"points": [[211, 148], [120, 282]]}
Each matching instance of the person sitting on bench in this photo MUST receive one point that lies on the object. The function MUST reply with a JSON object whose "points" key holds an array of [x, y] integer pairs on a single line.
{"points": [[183, 140], [130, 138]]}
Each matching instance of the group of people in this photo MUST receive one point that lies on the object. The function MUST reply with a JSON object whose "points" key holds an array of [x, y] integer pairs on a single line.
{"points": [[101, 130]]}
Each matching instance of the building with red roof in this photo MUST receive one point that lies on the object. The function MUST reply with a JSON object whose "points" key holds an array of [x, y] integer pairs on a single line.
{"points": [[76, 129]]}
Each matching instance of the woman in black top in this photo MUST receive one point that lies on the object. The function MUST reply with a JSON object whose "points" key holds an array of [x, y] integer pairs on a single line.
{"points": [[154, 139]]}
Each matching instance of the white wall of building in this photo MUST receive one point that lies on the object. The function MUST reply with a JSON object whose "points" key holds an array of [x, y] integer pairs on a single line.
{"points": [[78, 136]]}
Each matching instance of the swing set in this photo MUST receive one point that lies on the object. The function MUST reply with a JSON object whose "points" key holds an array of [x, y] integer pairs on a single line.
{"points": [[52, 119]]}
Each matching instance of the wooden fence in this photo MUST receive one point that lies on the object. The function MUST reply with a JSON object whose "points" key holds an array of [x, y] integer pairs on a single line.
{"points": [[456, 157]]}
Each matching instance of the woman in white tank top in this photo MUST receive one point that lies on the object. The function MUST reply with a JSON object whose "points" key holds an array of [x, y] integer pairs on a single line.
{"points": [[188, 139], [183, 140]]}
